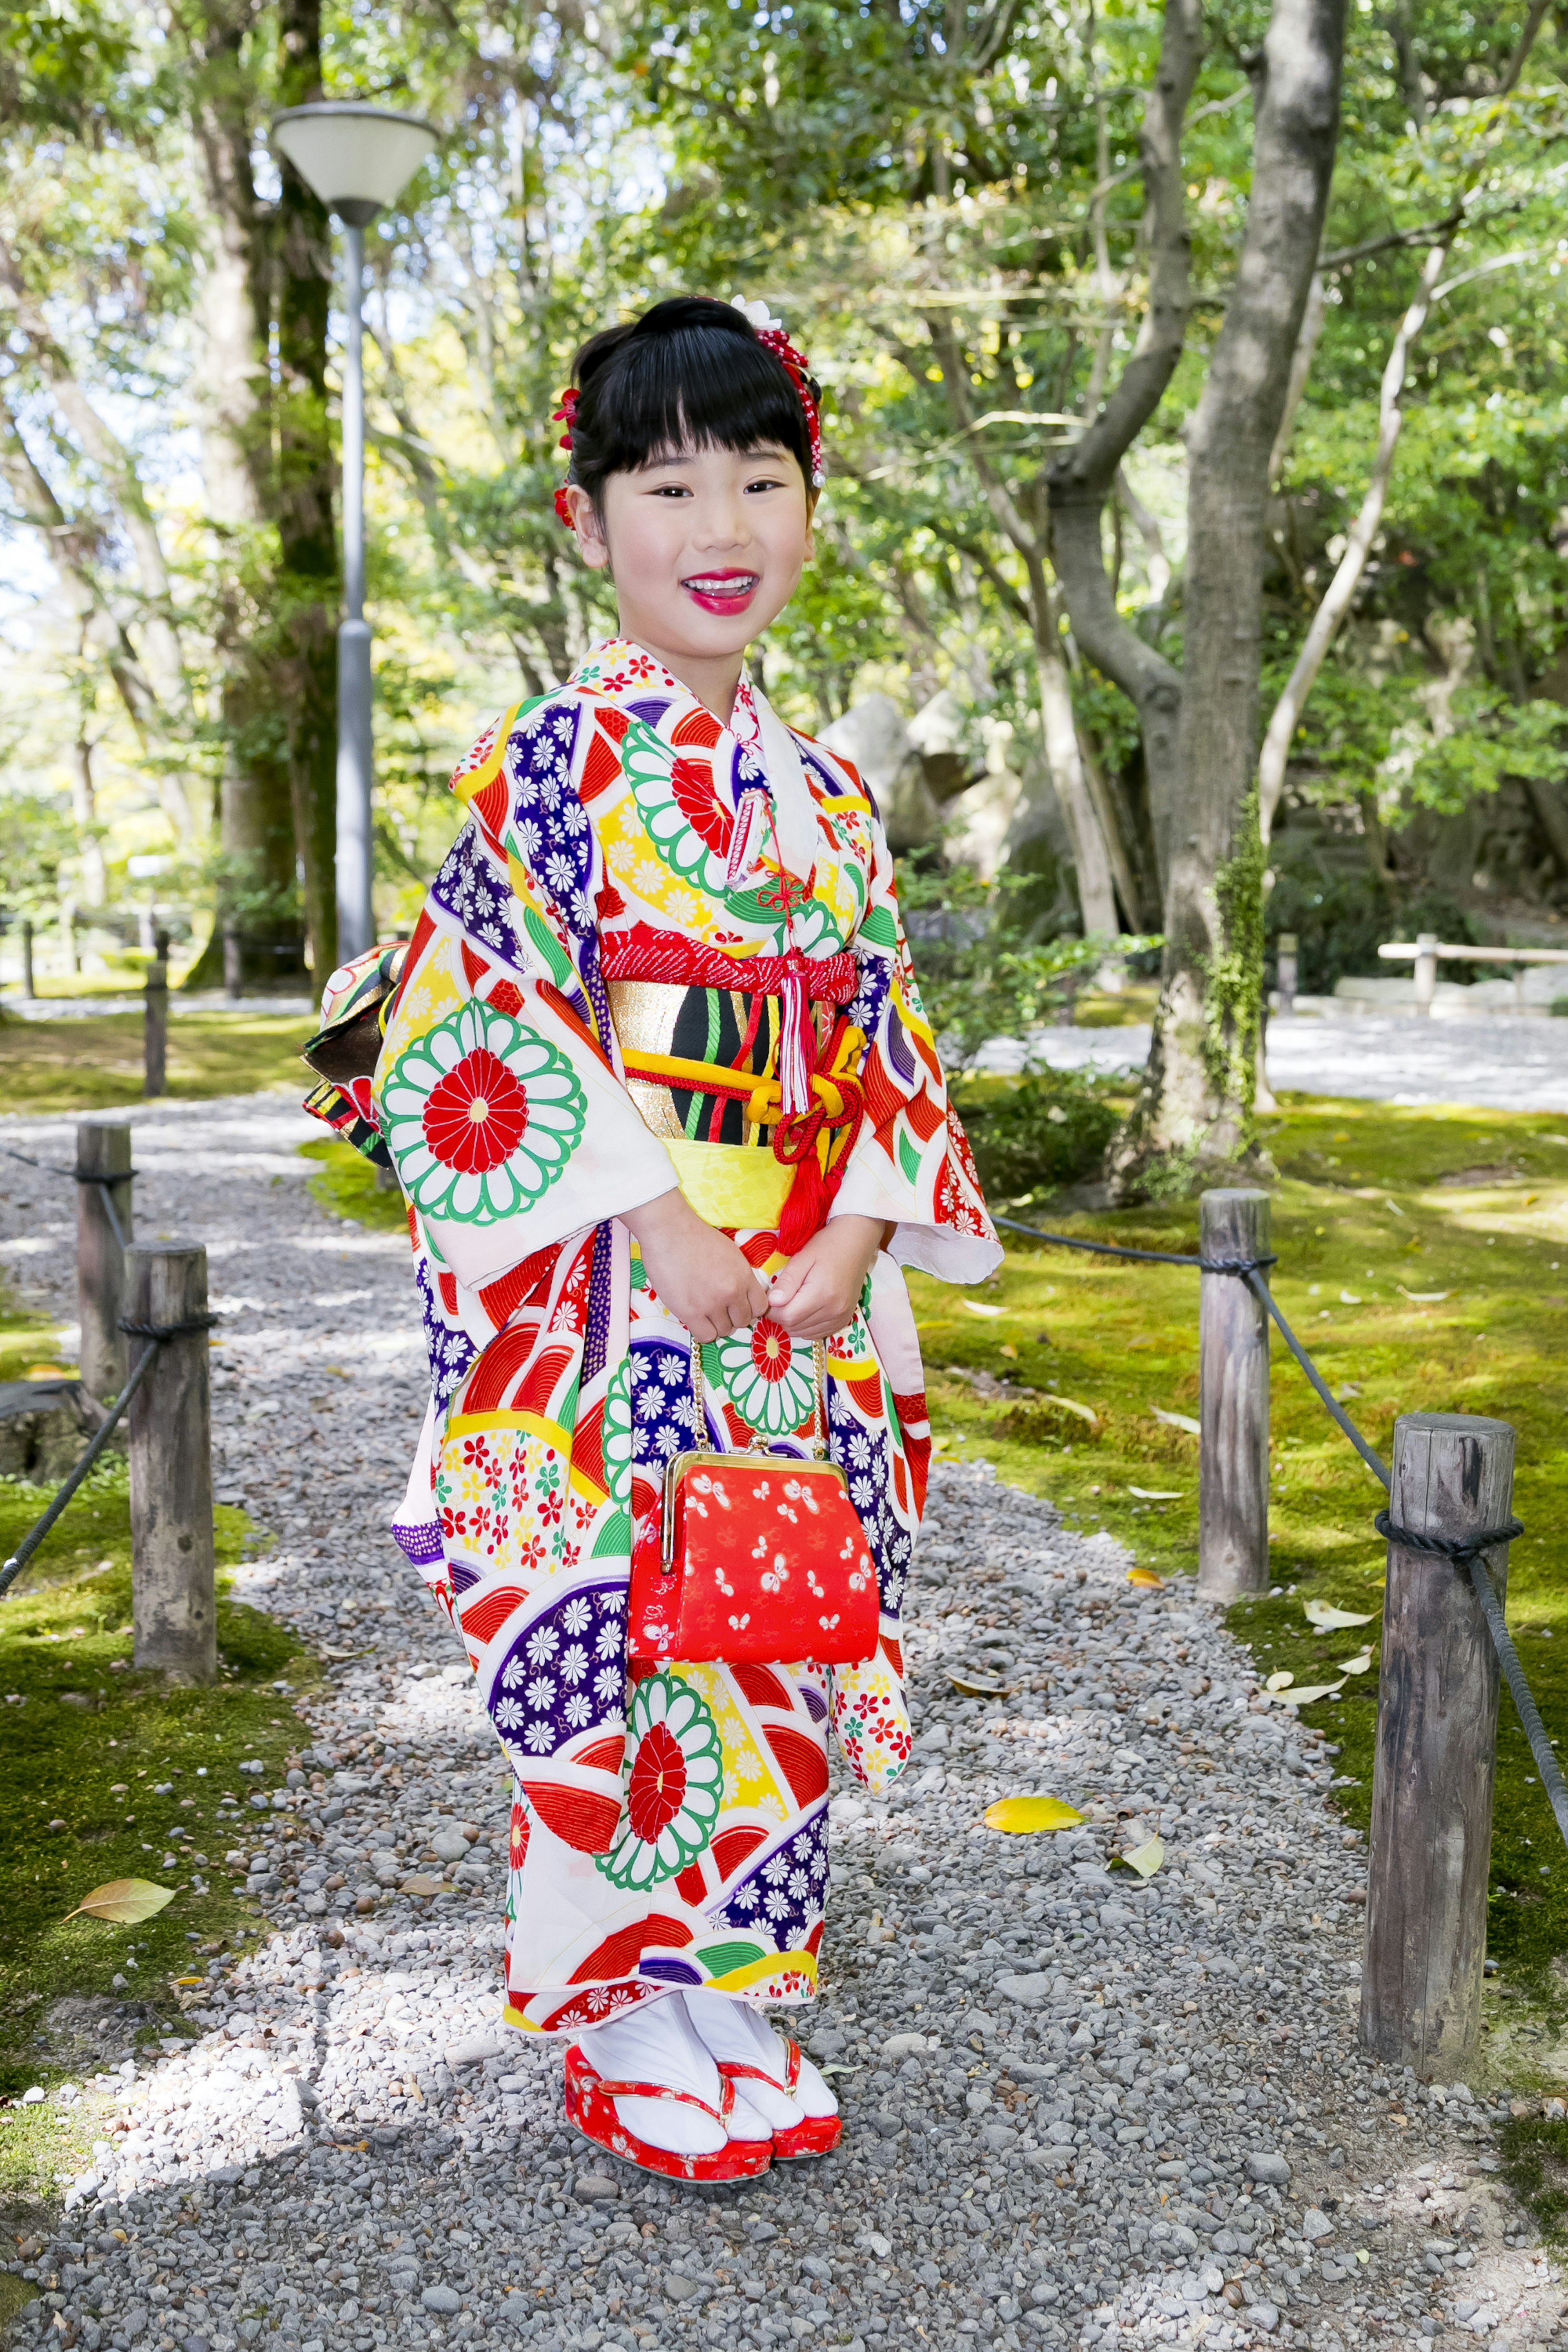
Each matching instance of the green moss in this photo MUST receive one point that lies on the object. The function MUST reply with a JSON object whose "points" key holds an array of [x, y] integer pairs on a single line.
{"points": [[1233, 994], [1360, 1206], [48, 1066], [345, 1185], [77, 1721], [1535, 2166]]}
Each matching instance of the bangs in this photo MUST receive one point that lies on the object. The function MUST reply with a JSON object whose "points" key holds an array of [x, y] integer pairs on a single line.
{"points": [[695, 387]]}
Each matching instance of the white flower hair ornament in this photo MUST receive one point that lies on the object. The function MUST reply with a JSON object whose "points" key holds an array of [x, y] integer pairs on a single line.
{"points": [[770, 331]]}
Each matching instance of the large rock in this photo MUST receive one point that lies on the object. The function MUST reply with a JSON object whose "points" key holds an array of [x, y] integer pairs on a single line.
{"points": [[873, 737], [44, 1427], [977, 823]]}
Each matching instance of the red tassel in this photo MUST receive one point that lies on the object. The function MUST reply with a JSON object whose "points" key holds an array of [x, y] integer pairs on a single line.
{"points": [[805, 1210]]}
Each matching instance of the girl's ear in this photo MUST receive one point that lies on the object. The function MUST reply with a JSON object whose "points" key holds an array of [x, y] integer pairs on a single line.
{"points": [[591, 544]]}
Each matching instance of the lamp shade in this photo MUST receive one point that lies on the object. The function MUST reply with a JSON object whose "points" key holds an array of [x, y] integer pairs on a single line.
{"points": [[355, 156]]}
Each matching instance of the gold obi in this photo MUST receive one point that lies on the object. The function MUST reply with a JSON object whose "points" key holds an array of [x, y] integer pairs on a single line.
{"points": [[723, 1160]]}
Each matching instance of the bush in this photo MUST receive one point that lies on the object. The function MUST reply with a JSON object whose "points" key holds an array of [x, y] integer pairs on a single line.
{"points": [[1033, 1134], [1340, 920]]}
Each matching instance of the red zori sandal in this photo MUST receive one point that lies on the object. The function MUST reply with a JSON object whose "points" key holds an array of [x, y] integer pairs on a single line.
{"points": [[590, 2105], [813, 2134]]}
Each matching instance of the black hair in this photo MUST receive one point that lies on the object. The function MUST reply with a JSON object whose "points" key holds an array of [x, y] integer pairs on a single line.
{"points": [[690, 373]]}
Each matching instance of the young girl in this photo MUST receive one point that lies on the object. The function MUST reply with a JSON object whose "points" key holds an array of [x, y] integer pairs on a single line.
{"points": [[655, 1076]]}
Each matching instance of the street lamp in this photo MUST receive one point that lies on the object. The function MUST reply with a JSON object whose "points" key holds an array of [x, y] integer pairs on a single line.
{"points": [[357, 157]]}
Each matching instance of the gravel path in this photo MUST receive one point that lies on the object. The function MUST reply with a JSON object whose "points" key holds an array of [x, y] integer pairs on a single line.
{"points": [[1497, 1064], [1080, 2110]]}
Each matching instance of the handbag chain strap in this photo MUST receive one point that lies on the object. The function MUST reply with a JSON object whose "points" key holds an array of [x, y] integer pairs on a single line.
{"points": [[816, 1442]]}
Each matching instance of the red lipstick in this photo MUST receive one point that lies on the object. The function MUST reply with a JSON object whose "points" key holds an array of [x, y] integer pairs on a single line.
{"points": [[724, 590]]}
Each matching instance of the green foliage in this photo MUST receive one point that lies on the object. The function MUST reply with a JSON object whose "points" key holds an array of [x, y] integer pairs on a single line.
{"points": [[1495, 739], [1341, 920], [979, 976], [36, 839], [1033, 1134]]}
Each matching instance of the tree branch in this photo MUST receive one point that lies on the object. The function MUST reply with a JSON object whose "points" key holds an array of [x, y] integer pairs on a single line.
{"points": [[1336, 602], [1081, 480]]}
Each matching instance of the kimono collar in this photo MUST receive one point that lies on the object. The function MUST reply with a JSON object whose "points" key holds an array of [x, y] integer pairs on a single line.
{"points": [[621, 669]]}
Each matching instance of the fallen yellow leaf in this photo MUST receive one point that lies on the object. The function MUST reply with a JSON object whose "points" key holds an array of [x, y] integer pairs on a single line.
{"points": [[973, 1306], [1356, 1665], [1281, 1681], [1426, 1298], [1178, 1421], [1070, 1404], [1305, 1694], [126, 1902], [1156, 1493], [1026, 1816], [1008, 1349], [1146, 1576], [1146, 1859], [423, 1884], [1330, 1620], [978, 1686]]}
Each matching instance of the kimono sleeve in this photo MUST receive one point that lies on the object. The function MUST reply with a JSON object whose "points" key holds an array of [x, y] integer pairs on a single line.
{"points": [[501, 1106], [910, 1165]]}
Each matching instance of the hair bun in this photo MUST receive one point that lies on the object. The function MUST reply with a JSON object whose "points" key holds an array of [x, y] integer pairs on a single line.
{"points": [[680, 312]]}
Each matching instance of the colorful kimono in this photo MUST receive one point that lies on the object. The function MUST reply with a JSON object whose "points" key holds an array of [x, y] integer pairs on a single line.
{"points": [[618, 982]]}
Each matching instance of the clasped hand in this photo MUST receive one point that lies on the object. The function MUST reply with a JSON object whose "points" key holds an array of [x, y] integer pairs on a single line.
{"points": [[706, 1282]]}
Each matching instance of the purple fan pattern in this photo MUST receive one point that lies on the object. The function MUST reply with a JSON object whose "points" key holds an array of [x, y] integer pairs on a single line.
{"points": [[564, 1675]]}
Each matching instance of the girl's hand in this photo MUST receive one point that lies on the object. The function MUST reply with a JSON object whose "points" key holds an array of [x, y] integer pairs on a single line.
{"points": [[697, 1271], [819, 1289]]}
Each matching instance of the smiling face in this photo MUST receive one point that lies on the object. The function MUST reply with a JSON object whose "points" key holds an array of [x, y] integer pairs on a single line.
{"points": [[706, 549]]}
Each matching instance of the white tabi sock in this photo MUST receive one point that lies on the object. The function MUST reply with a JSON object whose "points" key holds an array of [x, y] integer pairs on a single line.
{"points": [[655, 2043], [738, 2034]]}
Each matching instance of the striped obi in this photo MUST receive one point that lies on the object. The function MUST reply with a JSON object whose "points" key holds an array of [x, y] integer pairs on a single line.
{"points": [[747, 1070]]}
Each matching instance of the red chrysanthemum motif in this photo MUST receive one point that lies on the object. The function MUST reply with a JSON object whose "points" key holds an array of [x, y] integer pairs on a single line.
{"points": [[771, 1348], [658, 1787], [475, 1116]]}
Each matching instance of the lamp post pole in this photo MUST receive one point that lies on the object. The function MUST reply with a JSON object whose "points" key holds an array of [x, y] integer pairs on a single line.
{"points": [[357, 157], [356, 915]]}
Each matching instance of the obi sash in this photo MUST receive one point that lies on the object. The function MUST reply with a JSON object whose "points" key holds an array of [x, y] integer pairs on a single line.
{"points": [[757, 1102]]}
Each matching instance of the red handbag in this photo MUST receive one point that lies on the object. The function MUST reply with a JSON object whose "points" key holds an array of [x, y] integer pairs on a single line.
{"points": [[761, 1560]]}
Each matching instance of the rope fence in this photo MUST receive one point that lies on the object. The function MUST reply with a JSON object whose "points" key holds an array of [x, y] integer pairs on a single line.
{"points": [[1444, 1641], [154, 1294], [1444, 1636]]}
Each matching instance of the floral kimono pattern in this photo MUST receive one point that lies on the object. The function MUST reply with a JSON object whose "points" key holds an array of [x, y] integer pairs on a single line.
{"points": [[669, 1828]]}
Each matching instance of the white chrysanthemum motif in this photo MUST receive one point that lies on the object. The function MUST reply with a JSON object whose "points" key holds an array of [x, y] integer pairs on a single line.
{"points": [[767, 1380], [482, 1116]]}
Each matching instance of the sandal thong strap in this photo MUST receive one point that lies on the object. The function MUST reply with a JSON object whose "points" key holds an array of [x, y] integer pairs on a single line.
{"points": [[735, 2070], [720, 2114]]}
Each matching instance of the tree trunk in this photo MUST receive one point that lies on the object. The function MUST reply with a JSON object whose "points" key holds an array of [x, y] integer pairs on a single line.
{"points": [[306, 484], [1198, 1095], [1096, 895], [1083, 479]]}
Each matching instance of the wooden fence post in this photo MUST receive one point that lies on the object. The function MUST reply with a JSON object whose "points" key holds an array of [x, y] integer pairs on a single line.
{"points": [[28, 988], [1425, 971], [103, 1149], [1436, 1760], [172, 1603], [156, 1018], [1287, 966], [1233, 1384]]}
